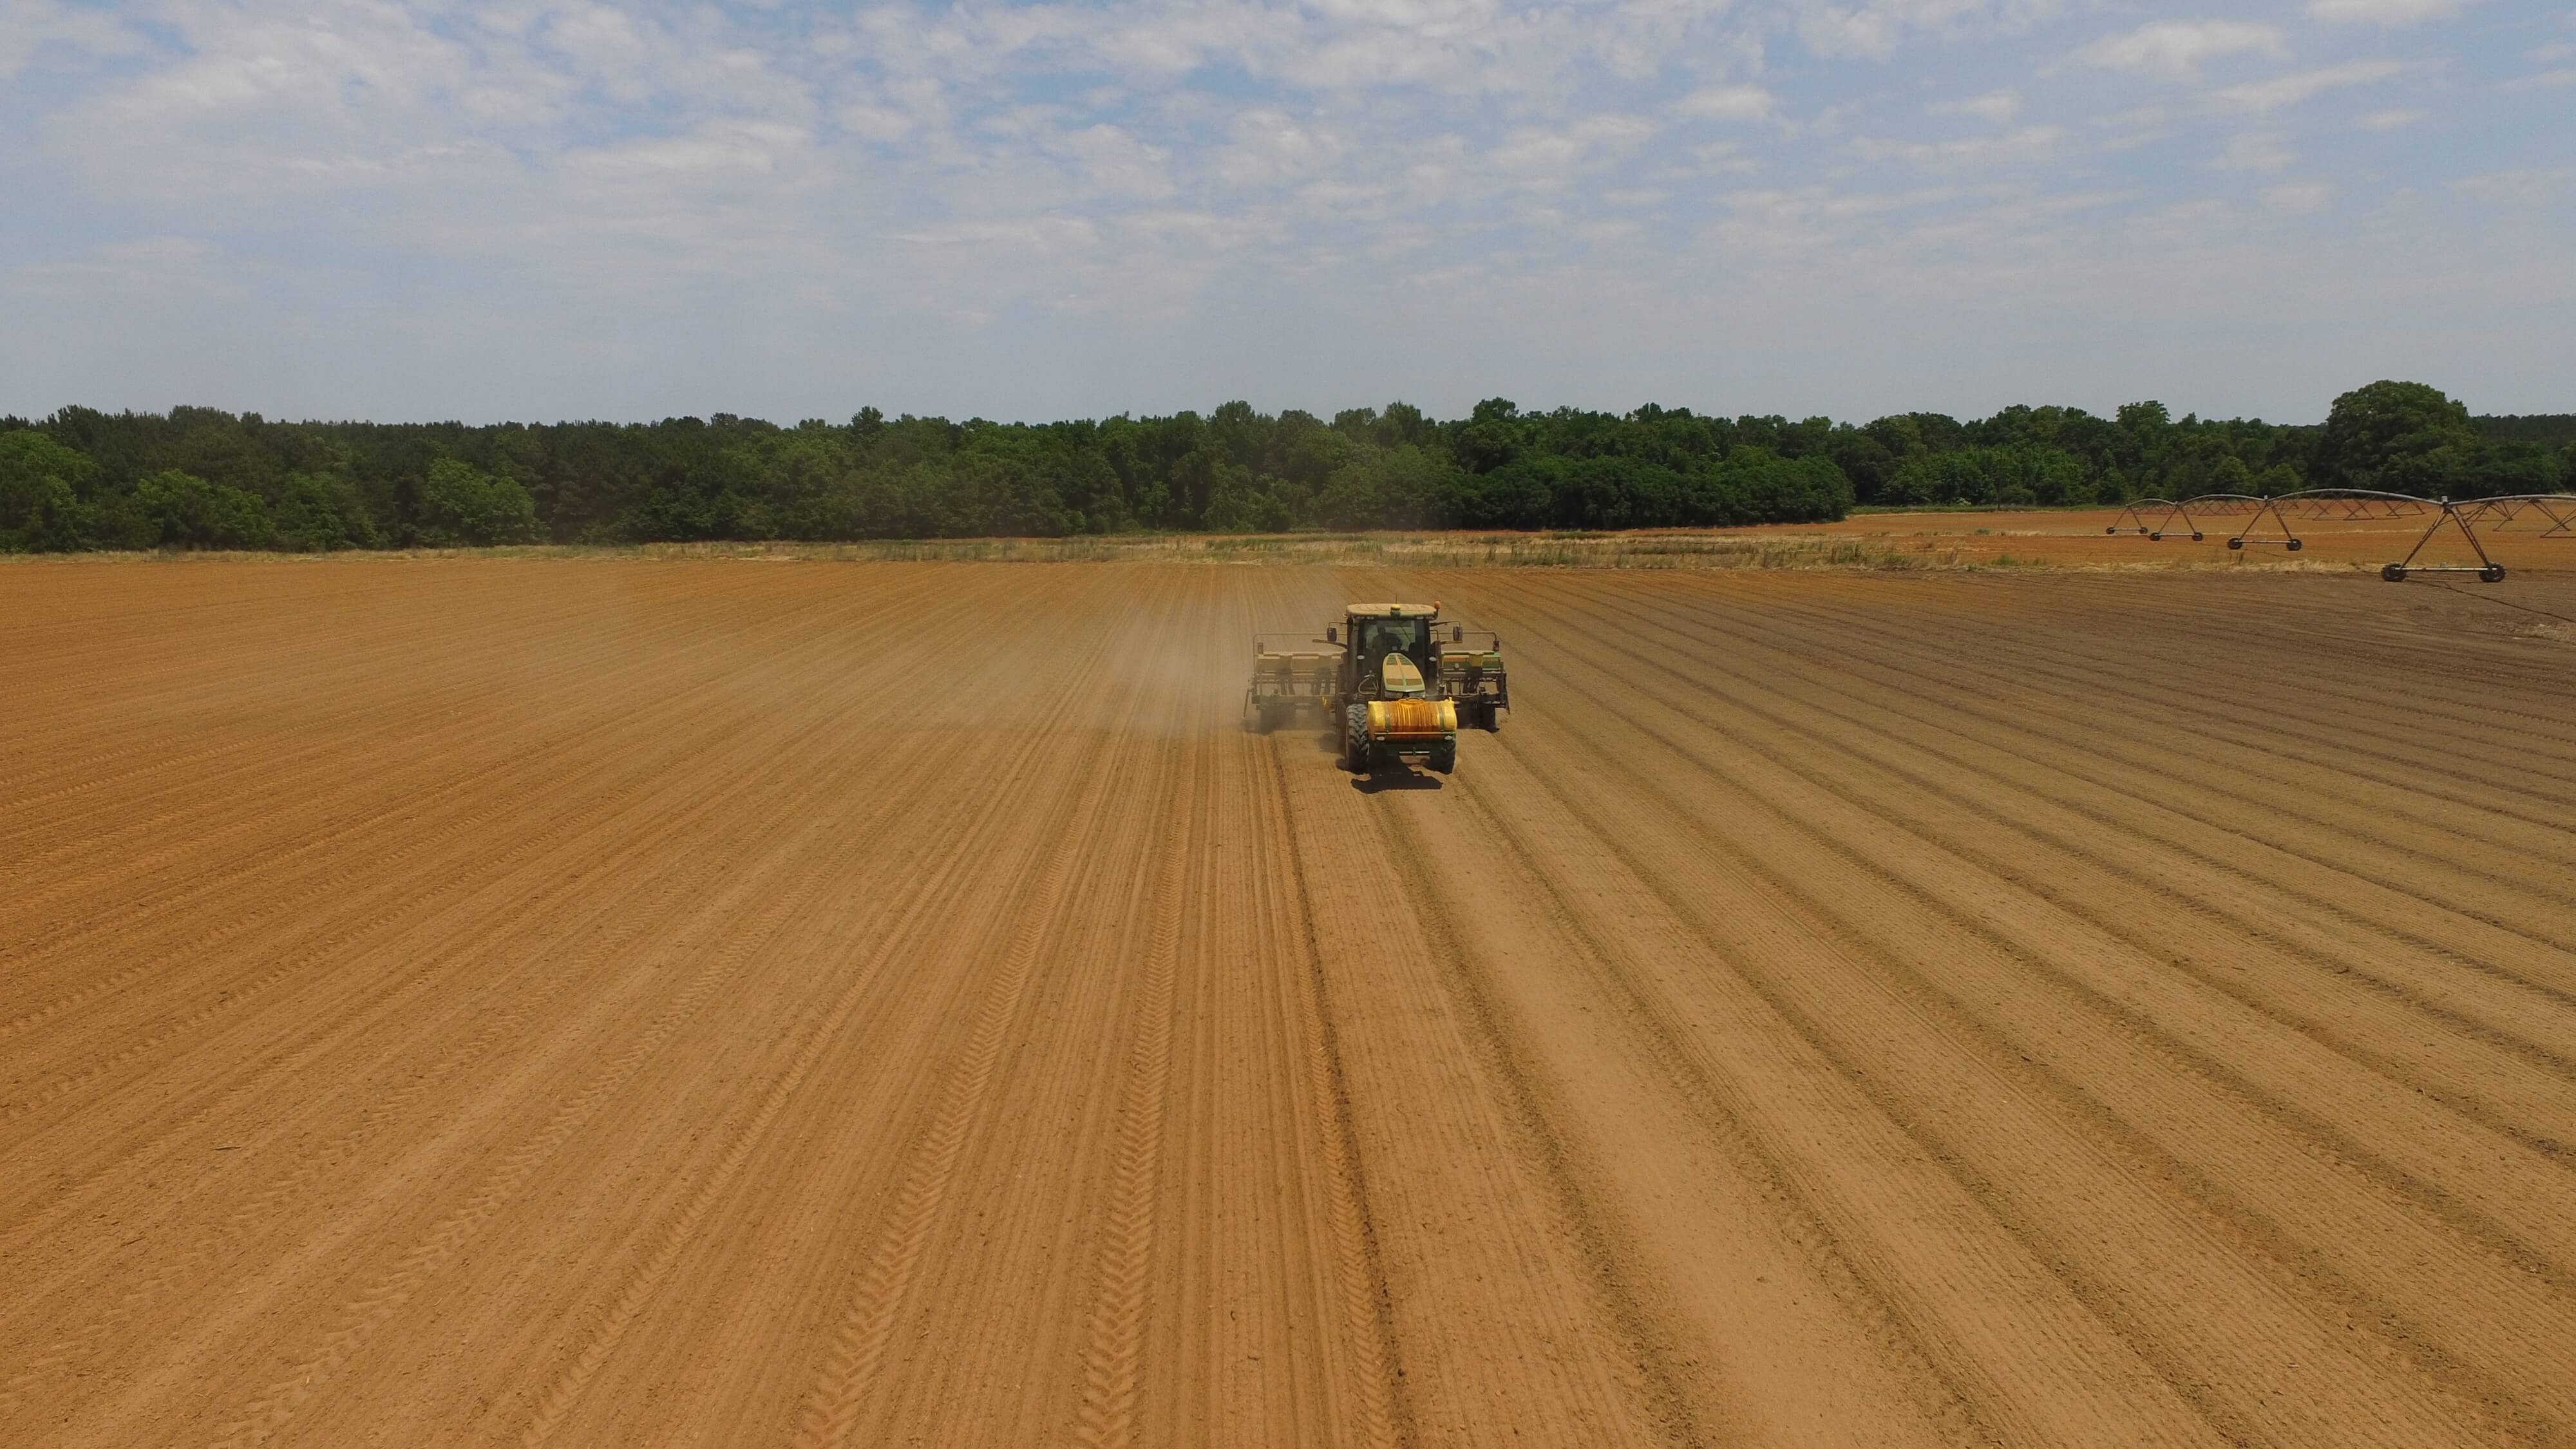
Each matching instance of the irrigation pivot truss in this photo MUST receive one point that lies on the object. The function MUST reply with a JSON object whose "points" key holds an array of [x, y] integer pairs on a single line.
{"points": [[2153, 518]]}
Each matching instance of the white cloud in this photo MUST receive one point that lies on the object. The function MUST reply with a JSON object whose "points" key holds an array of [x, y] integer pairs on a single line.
{"points": [[2385, 12], [2255, 151], [1996, 106], [1873, 30], [2290, 90], [1729, 103], [2029, 141], [29, 28], [781, 178], [2178, 48], [2526, 185], [2296, 200], [2545, 80]]}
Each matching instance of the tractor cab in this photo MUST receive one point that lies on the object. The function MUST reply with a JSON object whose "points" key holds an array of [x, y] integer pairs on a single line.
{"points": [[1388, 650]]}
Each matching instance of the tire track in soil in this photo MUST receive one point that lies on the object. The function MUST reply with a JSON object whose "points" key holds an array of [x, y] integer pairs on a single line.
{"points": [[1812, 946], [1922, 1356], [504, 801], [1113, 1348], [2096, 684], [766, 926], [1972, 1171], [840, 1399], [456, 791], [2468, 1388], [910, 930], [2035, 1320], [2353, 965], [1602, 1241], [1380, 1388], [2296, 678], [374, 1307], [600, 918], [2268, 928], [2023, 782], [913, 924], [2152, 761]]}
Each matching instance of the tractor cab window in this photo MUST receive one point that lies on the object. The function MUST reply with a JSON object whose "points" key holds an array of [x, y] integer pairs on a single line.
{"points": [[1380, 637]]}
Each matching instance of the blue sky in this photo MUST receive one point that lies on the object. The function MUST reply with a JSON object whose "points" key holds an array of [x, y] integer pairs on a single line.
{"points": [[539, 210]]}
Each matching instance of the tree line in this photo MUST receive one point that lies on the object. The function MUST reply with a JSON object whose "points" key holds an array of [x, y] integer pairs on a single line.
{"points": [[202, 478]]}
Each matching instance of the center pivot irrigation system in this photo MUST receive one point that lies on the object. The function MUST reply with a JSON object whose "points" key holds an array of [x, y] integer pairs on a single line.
{"points": [[2156, 517]]}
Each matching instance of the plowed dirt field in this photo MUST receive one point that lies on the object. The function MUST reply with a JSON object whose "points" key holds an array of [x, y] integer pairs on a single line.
{"points": [[622, 1003]]}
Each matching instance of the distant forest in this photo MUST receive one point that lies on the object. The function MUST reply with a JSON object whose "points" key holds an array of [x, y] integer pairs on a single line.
{"points": [[201, 478]]}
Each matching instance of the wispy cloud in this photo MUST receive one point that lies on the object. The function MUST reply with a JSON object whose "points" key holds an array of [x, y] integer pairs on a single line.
{"points": [[2297, 199], [31, 28], [1729, 103], [1997, 106], [2029, 141], [557, 205], [2255, 151], [2290, 90], [2386, 12], [2526, 184], [2179, 48]]}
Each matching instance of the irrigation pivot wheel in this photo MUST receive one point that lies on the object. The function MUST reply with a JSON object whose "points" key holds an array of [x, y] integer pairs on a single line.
{"points": [[2394, 573], [2491, 574]]}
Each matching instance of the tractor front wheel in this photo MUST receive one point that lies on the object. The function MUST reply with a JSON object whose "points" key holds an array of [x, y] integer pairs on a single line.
{"points": [[1355, 745], [1444, 758]]}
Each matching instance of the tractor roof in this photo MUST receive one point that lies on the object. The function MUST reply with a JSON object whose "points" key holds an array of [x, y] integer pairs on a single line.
{"points": [[1393, 611]]}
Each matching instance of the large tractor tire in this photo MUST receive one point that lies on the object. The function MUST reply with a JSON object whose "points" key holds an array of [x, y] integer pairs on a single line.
{"points": [[1355, 741], [1444, 760]]}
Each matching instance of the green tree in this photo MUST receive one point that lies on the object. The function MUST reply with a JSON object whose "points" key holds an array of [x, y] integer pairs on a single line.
{"points": [[1516, 495], [461, 504], [318, 513], [186, 511], [1768, 489], [1399, 487], [41, 488], [2404, 437], [1492, 436]]}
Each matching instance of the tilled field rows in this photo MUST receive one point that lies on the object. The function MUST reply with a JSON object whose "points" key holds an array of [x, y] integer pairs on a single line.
{"points": [[802, 1004]]}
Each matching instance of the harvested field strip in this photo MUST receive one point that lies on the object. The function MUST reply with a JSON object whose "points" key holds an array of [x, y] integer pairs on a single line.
{"points": [[2100, 1053], [1878, 944], [597, 1003], [2089, 840], [2085, 682], [2172, 796], [319, 952], [2090, 833]]}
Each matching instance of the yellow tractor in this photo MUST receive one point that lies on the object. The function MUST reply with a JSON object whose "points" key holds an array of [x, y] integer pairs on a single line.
{"points": [[1393, 681]]}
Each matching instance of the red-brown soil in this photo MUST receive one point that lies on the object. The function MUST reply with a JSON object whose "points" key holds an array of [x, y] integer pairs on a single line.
{"points": [[2333, 536], [616, 1003]]}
